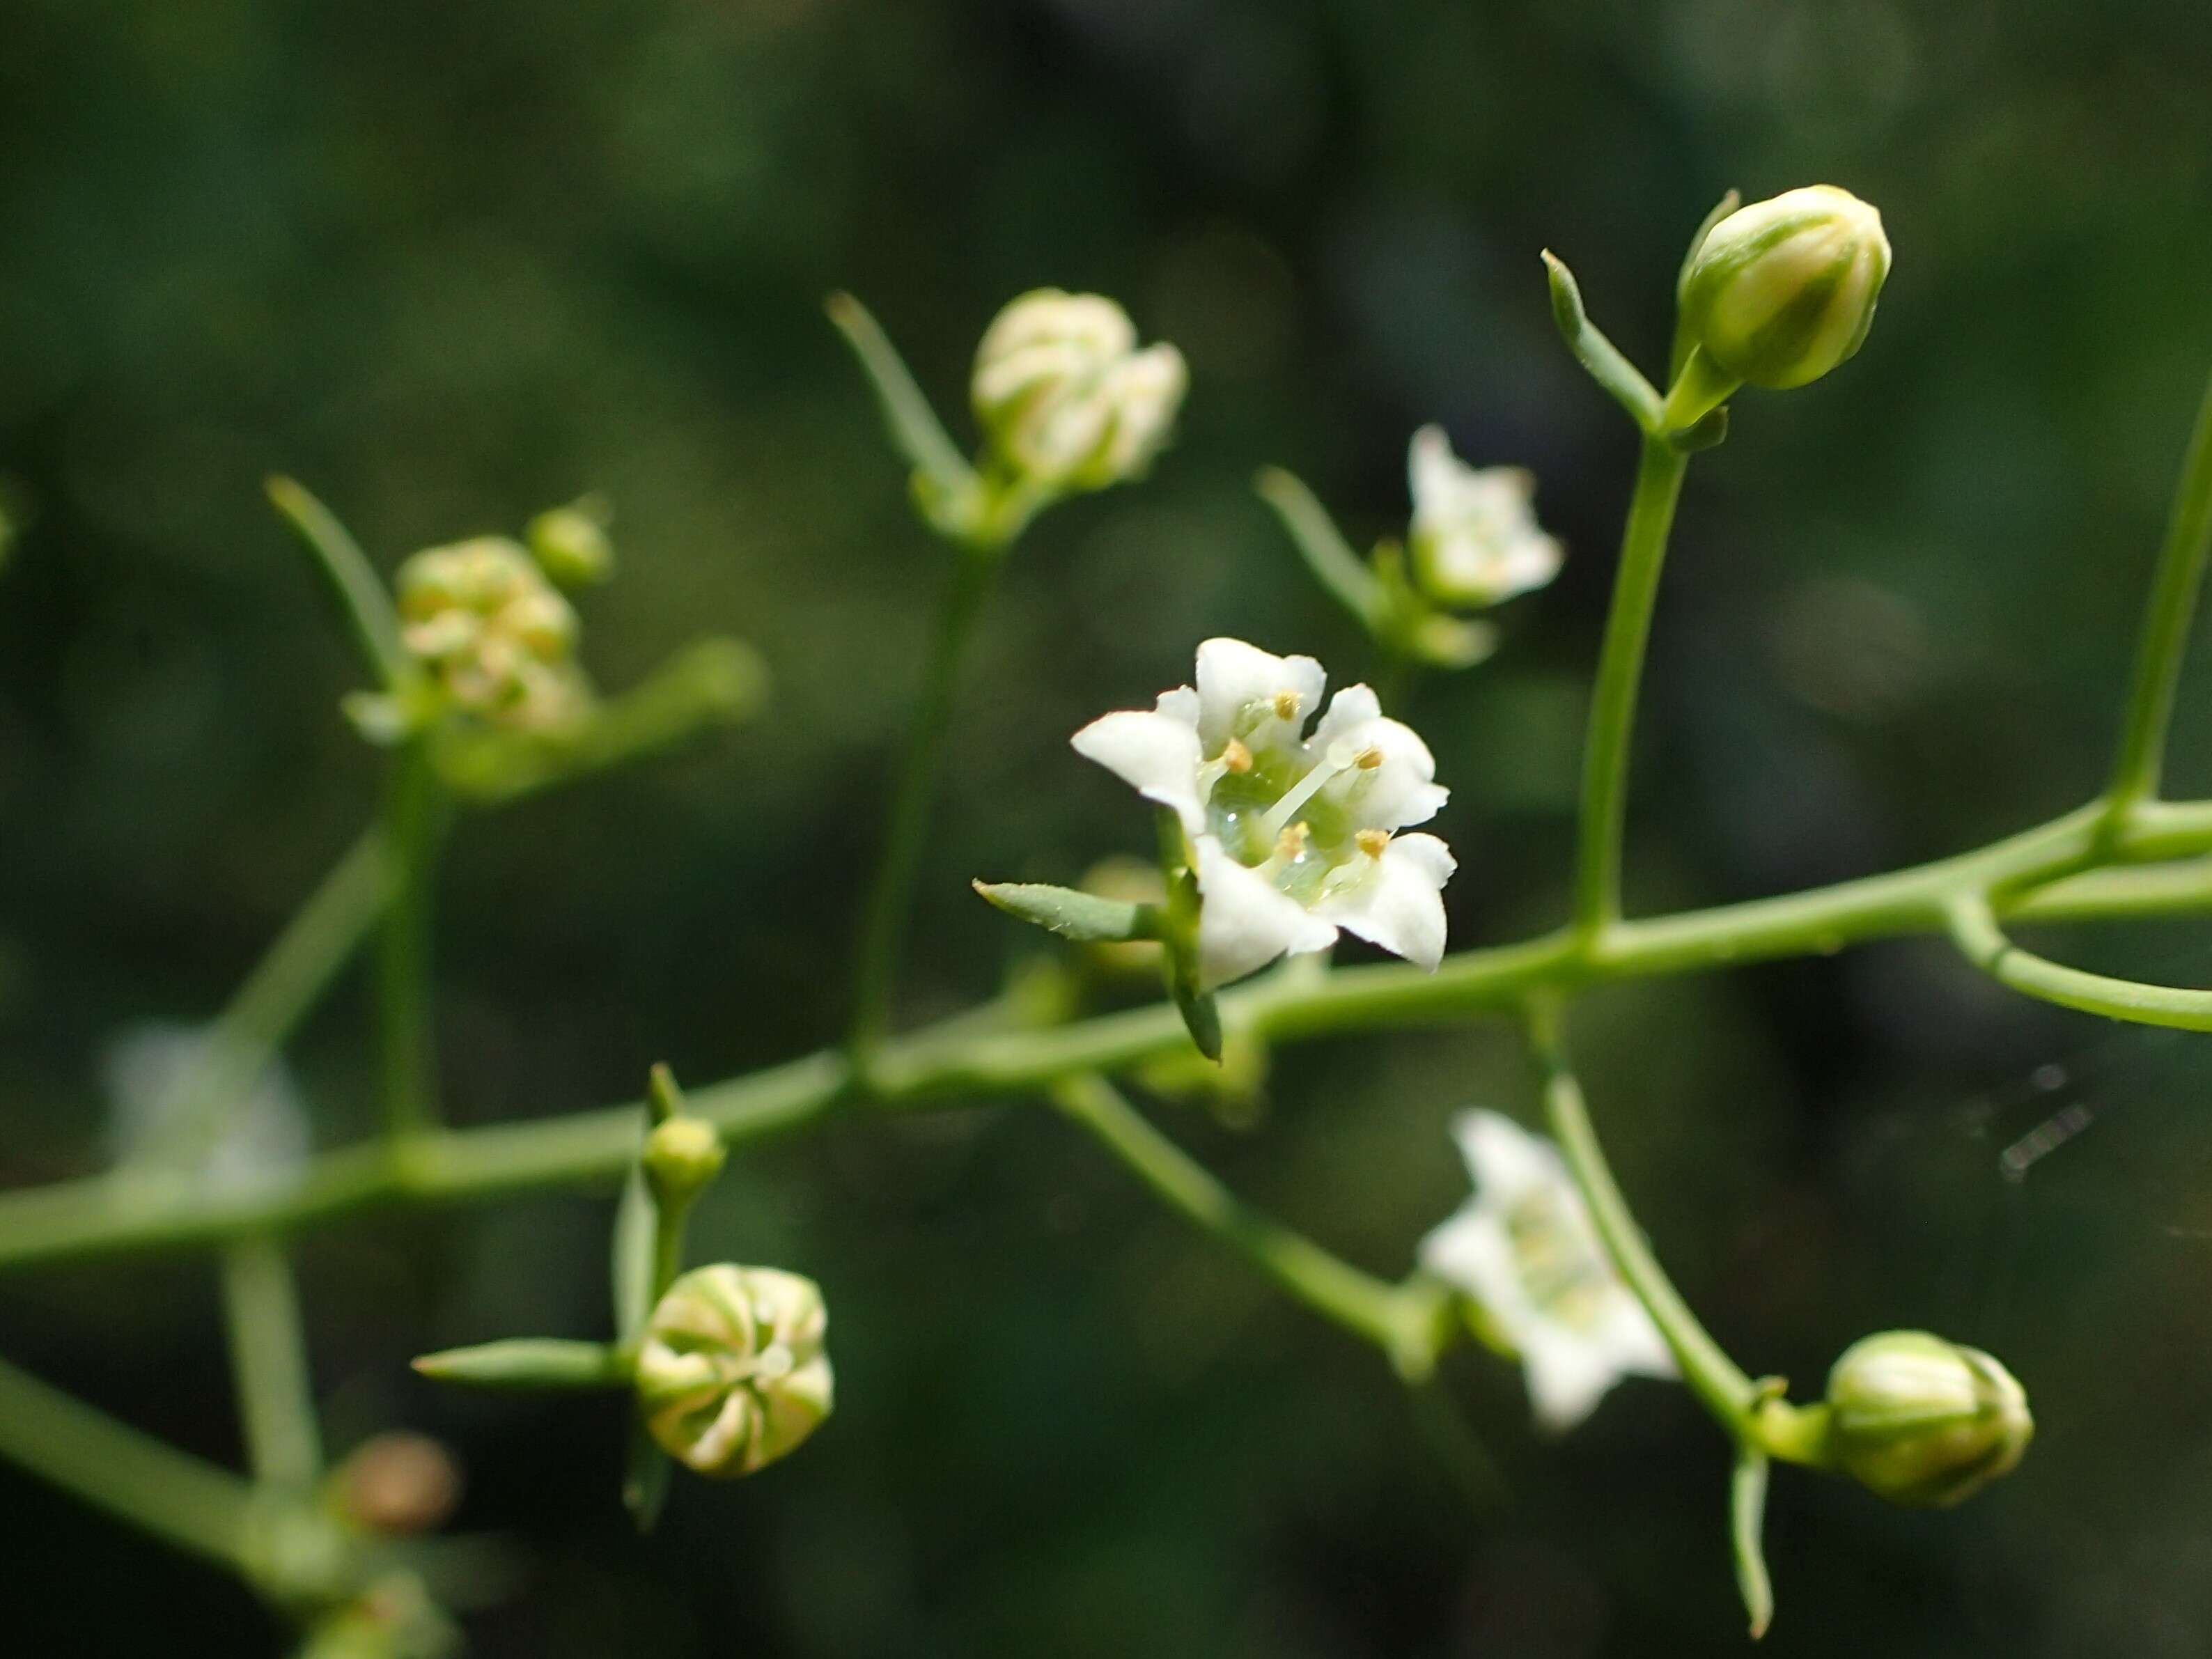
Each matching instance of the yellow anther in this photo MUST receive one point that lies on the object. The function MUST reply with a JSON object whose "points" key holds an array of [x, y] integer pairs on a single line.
{"points": [[1286, 705], [1368, 759], [1372, 842], [1293, 844], [1237, 758]]}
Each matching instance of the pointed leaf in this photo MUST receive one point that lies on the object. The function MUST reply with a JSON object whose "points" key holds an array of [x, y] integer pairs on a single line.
{"points": [[1084, 917]]}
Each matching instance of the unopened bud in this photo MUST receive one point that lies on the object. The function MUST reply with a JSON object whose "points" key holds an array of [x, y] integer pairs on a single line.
{"points": [[396, 1485], [571, 544], [682, 1157], [1922, 1421], [497, 638], [1782, 291], [732, 1374], [1064, 395]]}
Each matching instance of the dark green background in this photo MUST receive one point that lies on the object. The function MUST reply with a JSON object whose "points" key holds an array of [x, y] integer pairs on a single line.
{"points": [[452, 262]]}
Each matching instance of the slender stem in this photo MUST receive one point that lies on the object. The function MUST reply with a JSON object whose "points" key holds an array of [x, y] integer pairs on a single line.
{"points": [[1599, 358], [1716, 1379], [1349, 578], [1620, 666], [171, 1494], [1404, 1321], [1747, 1527], [286, 982], [415, 813], [1974, 930], [964, 1058], [269, 1364], [2166, 625], [891, 900], [913, 424]]}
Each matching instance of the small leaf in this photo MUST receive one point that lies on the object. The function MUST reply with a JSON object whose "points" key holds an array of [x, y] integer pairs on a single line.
{"points": [[1598, 355], [533, 1363], [1747, 1524], [1347, 576], [1084, 917], [1708, 432], [946, 488]]}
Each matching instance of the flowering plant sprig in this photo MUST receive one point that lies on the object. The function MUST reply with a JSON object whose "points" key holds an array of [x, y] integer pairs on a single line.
{"points": [[1277, 829]]}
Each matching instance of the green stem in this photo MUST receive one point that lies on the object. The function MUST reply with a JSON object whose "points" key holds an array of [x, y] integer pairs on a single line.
{"points": [[352, 581], [1710, 1374], [1974, 930], [1747, 1527], [962, 1060], [1620, 665], [269, 1364], [283, 987], [190, 1504], [2166, 624], [414, 813], [890, 902], [1406, 1321], [1350, 580]]}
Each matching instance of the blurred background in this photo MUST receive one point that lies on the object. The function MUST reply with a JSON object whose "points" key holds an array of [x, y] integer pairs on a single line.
{"points": [[452, 263]]}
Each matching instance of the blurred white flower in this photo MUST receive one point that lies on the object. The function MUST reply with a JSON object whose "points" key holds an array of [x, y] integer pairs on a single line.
{"points": [[152, 1071], [1475, 538], [1292, 836], [1066, 396], [1524, 1250]]}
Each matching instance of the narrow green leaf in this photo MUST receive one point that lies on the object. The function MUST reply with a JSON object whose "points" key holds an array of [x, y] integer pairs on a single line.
{"points": [[1747, 1527], [532, 1363], [360, 591], [914, 429], [646, 1471], [1679, 353], [631, 1256], [1347, 577], [1084, 917], [1598, 355]]}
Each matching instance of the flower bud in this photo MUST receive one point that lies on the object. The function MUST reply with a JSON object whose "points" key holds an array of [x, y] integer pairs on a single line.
{"points": [[1067, 398], [1922, 1421], [496, 637], [732, 1374], [570, 543], [396, 1485], [682, 1157], [1782, 291]]}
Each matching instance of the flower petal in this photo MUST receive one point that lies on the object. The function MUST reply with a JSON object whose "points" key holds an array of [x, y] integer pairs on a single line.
{"points": [[1401, 790], [1398, 903], [1504, 1160], [1154, 751], [1244, 922], [1237, 685]]}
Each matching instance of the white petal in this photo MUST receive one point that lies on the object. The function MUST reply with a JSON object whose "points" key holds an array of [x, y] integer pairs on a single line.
{"points": [[1505, 1160], [1234, 677], [1566, 1376], [1470, 1250], [1399, 902], [1244, 923], [1431, 470], [1401, 790], [1631, 1342], [1154, 751]]}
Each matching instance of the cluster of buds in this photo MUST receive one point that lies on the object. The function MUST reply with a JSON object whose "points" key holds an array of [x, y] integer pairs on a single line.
{"points": [[1066, 398], [496, 636]]}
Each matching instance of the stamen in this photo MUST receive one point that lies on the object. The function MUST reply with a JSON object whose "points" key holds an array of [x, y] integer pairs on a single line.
{"points": [[1286, 705], [1237, 758], [1293, 846], [1372, 842], [1298, 795], [1368, 759]]}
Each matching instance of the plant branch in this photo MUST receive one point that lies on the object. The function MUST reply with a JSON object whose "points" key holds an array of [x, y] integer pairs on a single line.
{"points": [[1620, 672], [1975, 931], [2168, 621], [414, 813], [1406, 1321], [269, 1364]]}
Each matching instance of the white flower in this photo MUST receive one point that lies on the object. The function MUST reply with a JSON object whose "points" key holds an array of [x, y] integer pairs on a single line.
{"points": [[1475, 540], [1523, 1249], [1293, 835], [153, 1069], [1066, 396]]}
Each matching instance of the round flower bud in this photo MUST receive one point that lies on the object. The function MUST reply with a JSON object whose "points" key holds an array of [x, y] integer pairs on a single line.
{"points": [[682, 1157], [497, 638], [1064, 396], [571, 544], [396, 1485], [1782, 291], [732, 1375], [1922, 1421]]}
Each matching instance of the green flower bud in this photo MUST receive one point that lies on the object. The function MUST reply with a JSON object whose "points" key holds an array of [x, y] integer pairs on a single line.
{"points": [[570, 543], [1922, 1421], [681, 1156], [497, 638], [1782, 291], [1066, 396], [732, 1374]]}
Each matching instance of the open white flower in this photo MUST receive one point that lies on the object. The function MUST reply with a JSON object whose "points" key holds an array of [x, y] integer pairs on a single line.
{"points": [[1523, 1249], [153, 1068], [1067, 396], [1474, 537], [1293, 834]]}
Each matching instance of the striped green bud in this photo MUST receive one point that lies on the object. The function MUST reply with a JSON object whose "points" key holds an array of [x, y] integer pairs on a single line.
{"points": [[732, 1375], [1922, 1421], [1782, 291]]}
